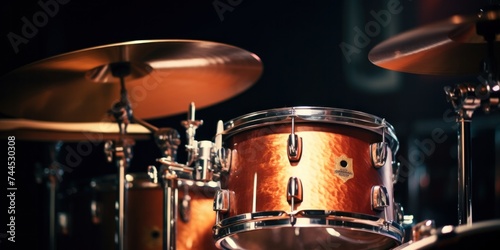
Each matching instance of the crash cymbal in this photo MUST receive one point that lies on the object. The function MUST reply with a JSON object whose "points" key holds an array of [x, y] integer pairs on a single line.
{"points": [[95, 132], [449, 47], [162, 78]]}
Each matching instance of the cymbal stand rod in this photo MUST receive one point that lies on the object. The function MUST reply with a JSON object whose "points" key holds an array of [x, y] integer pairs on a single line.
{"points": [[122, 149], [123, 154], [54, 175], [464, 172], [465, 103], [170, 203], [169, 184]]}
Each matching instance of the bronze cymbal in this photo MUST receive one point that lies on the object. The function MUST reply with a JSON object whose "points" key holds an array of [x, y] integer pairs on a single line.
{"points": [[95, 132], [448, 47], [163, 78]]}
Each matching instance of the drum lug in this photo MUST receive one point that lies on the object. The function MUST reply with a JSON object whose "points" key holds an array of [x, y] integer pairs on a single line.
{"points": [[294, 145], [378, 150], [294, 192], [423, 229], [222, 200], [379, 198], [378, 153], [222, 156], [222, 162]]}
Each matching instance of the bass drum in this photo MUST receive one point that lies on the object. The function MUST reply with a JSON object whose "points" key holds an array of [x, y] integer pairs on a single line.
{"points": [[479, 234], [307, 178], [87, 220]]}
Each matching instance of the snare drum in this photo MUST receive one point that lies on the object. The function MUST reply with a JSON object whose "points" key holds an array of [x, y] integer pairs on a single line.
{"points": [[88, 221], [307, 178]]}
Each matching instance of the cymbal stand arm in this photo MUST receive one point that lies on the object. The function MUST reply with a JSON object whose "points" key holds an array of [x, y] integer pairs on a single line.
{"points": [[465, 103]]}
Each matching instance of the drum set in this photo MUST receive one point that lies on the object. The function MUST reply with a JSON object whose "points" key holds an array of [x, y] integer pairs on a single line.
{"points": [[301, 177]]}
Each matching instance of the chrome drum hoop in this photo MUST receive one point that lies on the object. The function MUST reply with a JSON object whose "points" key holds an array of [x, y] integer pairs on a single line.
{"points": [[313, 114], [332, 221]]}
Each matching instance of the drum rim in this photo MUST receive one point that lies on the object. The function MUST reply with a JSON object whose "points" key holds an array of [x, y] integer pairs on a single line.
{"points": [[311, 114], [339, 219], [451, 232]]}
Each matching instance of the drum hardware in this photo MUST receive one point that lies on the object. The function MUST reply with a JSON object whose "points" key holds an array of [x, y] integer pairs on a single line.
{"points": [[294, 145], [121, 150], [379, 150], [459, 45], [198, 167], [466, 98], [168, 140], [294, 195], [379, 198], [222, 155]]}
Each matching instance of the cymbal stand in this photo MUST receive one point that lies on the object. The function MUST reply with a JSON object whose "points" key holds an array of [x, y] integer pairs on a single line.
{"points": [[121, 149], [466, 98], [465, 103], [53, 176]]}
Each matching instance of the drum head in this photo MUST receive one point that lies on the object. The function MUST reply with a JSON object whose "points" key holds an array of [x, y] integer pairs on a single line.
{"points": [[308, 114]]}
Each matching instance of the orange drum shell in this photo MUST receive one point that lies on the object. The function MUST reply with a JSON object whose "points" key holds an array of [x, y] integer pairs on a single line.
{"points": [[143, 217], [261, 153]]}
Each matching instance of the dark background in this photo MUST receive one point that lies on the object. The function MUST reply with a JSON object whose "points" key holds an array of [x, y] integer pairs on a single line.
{"points": [[299, 45]]}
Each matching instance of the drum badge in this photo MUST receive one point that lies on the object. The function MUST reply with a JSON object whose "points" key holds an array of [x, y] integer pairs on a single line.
{"points": [[343, 168]]}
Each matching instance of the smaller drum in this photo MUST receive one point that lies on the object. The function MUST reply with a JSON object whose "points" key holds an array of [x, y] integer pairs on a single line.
{"points": [[88, 214], [479, 234], [307, 178]]}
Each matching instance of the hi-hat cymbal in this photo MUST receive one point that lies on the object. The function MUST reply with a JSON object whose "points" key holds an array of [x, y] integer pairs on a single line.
{"points": [[448, 47], [164, 77], [94, 132]]}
